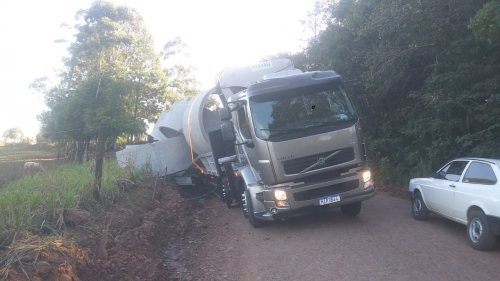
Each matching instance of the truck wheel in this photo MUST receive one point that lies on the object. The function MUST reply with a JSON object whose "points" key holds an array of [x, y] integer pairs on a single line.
{"points": [[418, 207], [479, 232], [244, 204], [248, 208], [351, 209]]}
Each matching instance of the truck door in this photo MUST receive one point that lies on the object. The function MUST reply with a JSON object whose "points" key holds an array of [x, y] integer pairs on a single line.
{"points": [[257, 156]]}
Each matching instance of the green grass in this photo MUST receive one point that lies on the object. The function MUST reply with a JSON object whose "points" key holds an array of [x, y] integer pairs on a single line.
{"points": [[12, 159], [27, 202], [24, 152]]}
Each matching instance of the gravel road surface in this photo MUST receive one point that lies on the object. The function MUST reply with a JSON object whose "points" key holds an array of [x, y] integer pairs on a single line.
{"points": [[383, 243]]}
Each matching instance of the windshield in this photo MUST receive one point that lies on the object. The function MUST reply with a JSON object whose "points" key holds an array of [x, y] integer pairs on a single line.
{"points": [[301, 110]]}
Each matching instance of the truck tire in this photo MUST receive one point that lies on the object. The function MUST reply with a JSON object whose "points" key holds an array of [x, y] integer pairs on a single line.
{"points": [[479, 232], [256, 223], [418, 208], [351, 209]]}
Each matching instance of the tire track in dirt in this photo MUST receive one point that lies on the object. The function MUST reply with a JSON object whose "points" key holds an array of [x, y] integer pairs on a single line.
{"points": [[383, 243]]}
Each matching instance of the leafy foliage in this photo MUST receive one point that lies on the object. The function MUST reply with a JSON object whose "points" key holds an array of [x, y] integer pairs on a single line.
{"points": [[112, 75], [432, 73], [13, 134]]}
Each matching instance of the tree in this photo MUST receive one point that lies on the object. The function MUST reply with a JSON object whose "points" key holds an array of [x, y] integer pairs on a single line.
{"points": [[432, 75], [182, 80], [26, 140], [112, 75], [13, 134]]}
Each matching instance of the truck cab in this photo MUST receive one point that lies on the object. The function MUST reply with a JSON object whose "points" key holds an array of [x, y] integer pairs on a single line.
{"points": [[299, 146]]}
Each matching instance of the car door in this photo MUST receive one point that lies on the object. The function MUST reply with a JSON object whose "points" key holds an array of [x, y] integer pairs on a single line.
{"points": [[441, 192], [477, 185]]}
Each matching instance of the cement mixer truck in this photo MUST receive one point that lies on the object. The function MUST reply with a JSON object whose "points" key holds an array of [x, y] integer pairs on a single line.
{"points": [[285, 142]]}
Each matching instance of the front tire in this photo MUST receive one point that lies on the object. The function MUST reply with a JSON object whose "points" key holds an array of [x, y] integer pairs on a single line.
{"points": [[352, 209], [479, 232], [248, 208], [418, 208]]}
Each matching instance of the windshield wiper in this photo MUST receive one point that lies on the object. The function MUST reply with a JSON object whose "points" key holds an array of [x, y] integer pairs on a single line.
{"points": [[277, 129], [330, 122], [284, 131]]}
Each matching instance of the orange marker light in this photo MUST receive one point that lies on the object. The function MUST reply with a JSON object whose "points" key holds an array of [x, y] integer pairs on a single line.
{"points": [[282, 203], [236, 174]]}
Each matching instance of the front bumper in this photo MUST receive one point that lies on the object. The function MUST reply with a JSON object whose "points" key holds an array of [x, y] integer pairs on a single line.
{"points": [[304, 199]]}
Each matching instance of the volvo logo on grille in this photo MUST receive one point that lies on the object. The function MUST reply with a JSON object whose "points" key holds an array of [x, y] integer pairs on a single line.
{"points": [[321, 161]]}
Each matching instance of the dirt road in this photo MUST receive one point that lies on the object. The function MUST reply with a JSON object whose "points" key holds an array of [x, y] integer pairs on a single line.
{"points": [[383, 243]]}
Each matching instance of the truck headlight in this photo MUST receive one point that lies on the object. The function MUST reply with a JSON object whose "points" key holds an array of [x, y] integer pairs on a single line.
{"points": [[280, 195], [367, 176]]}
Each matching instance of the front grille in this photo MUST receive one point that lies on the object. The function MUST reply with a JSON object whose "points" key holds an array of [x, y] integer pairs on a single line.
{"points": [[325, 191], [295, 166]]}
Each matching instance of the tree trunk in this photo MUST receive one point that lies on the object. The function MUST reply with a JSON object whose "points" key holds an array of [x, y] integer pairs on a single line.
{"points": [[74, 151], [85, 151]]}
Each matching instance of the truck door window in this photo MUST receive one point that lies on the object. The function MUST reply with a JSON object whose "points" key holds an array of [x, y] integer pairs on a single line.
{"points": [[243, 123], [480, 173], [455, 171]]}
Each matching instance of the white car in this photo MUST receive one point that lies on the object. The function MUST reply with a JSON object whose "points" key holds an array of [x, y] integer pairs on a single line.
{"points": [[465, 190]]}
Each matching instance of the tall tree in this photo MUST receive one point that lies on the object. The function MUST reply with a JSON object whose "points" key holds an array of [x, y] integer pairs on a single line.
{"points": [[432, 72], [112, 75], [13, 134]]}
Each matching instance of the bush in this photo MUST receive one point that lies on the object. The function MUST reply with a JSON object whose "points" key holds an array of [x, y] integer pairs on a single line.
{"points": [[27, 202]]}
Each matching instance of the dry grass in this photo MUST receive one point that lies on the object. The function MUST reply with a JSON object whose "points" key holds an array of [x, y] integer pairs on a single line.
{"points": [[25, 250]]}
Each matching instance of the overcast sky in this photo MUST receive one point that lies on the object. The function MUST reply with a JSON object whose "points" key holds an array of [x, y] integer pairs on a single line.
{"points": [[219, 34]]}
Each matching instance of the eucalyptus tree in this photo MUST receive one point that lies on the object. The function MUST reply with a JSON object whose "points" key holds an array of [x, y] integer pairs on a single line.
{"points": [[112, 75]]}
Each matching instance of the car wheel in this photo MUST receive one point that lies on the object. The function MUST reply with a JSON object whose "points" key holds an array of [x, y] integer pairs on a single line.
{"points": [[352, 209], [479, 232], [418, 208], [248, 209]]}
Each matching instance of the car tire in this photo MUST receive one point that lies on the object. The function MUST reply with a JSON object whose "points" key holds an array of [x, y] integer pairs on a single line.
{"points": [[256, 223], [418, 208], [352, 209], [479, 232]]}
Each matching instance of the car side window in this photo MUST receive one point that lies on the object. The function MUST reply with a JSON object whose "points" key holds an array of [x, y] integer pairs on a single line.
{"points": [[480, 173], [455, 170], [443, 171]]}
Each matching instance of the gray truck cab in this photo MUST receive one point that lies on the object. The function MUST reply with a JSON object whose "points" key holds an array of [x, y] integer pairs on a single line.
{"points": [[299, 146]]}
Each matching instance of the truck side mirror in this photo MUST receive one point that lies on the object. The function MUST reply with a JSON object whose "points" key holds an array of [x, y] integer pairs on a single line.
{"points": [[225, 114], [227, 129], [359, 88], [247, 143], [360, 91]]}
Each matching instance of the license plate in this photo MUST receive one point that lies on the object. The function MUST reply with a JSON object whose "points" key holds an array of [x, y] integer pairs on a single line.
{"points": [[329, 199]]}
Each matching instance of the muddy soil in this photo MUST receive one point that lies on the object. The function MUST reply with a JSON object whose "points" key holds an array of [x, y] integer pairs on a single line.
{"points": [[148, 240], [384, 242], [156, 245]]}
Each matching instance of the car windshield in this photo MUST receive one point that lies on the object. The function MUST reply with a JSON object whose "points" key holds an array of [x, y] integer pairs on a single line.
{"points": [[301, 110]]}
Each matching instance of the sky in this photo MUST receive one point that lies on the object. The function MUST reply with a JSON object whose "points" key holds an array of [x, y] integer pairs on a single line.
{"points": [[219, 34]]}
